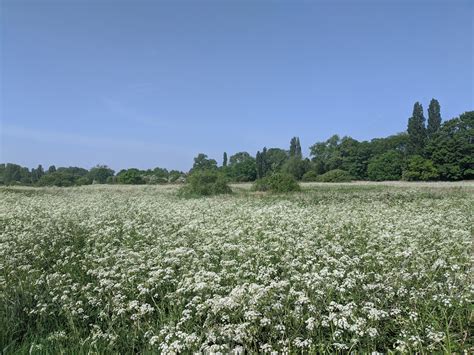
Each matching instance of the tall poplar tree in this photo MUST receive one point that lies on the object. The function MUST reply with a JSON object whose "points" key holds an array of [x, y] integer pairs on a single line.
{"points": [[224, 160], [434, 117], [416, 130], [295, 148], [298, 152], [258, 162], [265, 163]]}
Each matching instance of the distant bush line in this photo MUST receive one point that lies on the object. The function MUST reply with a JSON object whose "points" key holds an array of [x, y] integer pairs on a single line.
{"points": [[428, 150]]}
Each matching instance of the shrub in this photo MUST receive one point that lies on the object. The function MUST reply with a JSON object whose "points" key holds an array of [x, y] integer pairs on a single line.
{"points": [[419, 169], [277, 183], [205, 183], [310, 176], [336, 175]]}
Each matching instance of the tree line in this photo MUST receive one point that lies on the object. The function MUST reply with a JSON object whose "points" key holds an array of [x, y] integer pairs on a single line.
{"points": [[428, 150], [13, 174]]}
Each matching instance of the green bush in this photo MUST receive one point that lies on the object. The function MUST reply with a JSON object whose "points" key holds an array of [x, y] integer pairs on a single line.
{"points": [[336, 175], [277, 183], [419, 169], [310, 176], [205, 183]]}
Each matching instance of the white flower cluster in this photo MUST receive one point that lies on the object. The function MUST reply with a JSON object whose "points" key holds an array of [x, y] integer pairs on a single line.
{"points": [[127, 269]]}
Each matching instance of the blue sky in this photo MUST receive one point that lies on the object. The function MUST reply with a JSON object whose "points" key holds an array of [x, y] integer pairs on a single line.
{"points": [[153, 83]]}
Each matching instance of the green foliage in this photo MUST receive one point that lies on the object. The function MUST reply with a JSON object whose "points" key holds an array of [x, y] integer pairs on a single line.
{"points": [[130, 176], [269, 161], [419, 169], [14, 174], [242, 167], [310, 176], [326, 155], [295, 148], [296, 167], [277, 182], [36, 174], [64, 177], [151, 179], [274, 159], [224, 159], [398, 142], [202, 162], [387, 166], [100, 173], [434, 118], [174, 175], [336, 175], [416, 130], [259, 165], [205, 183], [452, 148]]}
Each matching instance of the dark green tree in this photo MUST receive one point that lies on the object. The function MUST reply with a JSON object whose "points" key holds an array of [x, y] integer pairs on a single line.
{"points": [[267, 161], [15, 173], [51, 169], [130, 176], [416, 130], [398, 142], [258, 165], [2, 173], [295, 148], [452, 148], [100, 173], [387, 166], [36, 174], [243, 167], [64, 177], [296, 167], [355, 156], [326, 155], [274, 159], [202, 162], [434, 118], [224, 159], [419, 169]]}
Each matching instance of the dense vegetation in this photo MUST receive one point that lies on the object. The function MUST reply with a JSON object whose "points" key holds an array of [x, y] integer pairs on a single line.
{"points": [[278, 182], [205, 183], [136, 270], [432, 151]]}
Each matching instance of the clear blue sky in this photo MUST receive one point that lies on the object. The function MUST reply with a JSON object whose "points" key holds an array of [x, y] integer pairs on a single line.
{"points": [[152, 83]]}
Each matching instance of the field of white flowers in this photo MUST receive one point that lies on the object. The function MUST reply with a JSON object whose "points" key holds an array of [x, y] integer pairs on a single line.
{"points": [[116, 269]]}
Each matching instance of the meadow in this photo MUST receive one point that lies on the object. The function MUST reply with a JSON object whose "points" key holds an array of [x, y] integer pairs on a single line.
{"points": [[333, 268]]}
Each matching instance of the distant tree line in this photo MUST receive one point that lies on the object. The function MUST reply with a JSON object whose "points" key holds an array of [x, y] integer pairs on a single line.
{"points": [[428, 150], [13, 174]]}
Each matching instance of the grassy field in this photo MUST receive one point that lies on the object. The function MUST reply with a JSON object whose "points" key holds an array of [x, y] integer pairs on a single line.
{"points": [[337, 267]]}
